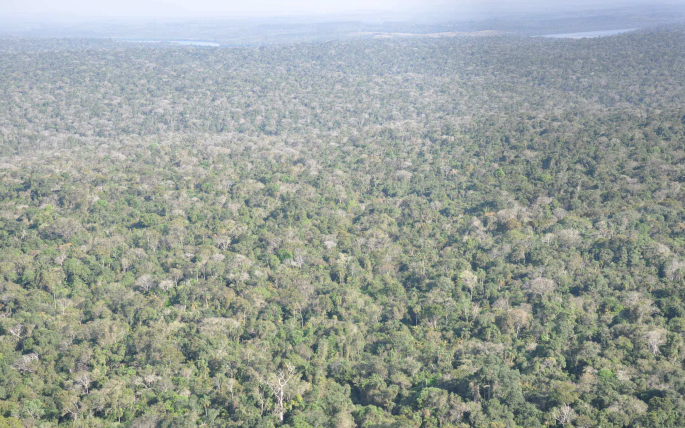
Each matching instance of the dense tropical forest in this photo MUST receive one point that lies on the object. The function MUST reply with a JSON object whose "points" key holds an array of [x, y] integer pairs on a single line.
{"points": [[411, 232]]}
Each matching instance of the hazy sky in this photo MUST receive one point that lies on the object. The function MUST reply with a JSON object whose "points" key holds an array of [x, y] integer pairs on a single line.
{"points": [[207, 7], [243, 8]]}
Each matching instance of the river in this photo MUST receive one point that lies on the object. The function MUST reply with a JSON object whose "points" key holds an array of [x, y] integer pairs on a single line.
{"points": [[588, 34]]}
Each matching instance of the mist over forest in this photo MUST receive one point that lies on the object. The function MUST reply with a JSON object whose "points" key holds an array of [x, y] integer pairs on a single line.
{"points": [[144, 20]]}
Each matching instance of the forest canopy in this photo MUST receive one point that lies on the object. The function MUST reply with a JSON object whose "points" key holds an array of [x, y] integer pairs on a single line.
{"points": [[463, 232]]}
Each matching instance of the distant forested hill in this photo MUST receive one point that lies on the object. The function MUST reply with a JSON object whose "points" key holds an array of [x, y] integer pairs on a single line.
{"points": [[463, 232]]}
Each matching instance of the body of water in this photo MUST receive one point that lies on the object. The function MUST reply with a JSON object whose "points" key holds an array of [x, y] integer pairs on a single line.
{"points": [[588, 34], [195, 43]]}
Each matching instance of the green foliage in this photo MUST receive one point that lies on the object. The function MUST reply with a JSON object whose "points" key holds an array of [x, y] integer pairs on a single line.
{"points": [[462, 232], [10, 422]]}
